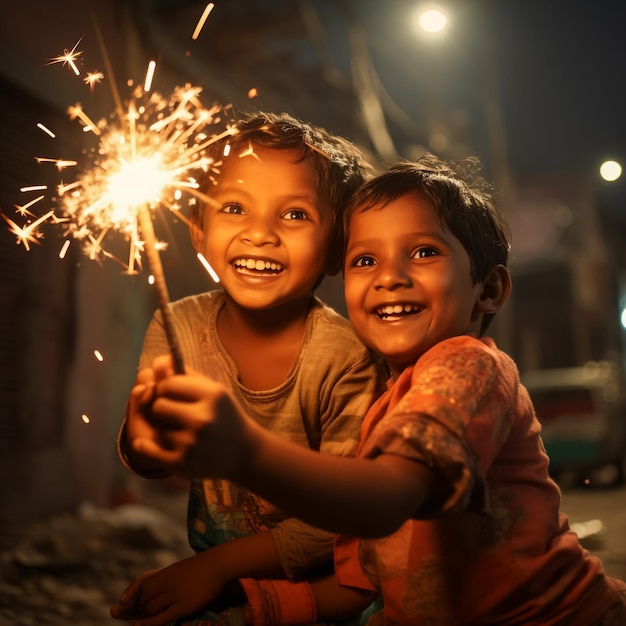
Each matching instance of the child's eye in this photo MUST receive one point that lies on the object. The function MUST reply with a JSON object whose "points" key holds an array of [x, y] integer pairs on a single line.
{"points": [[295, 214], [232, 208], [424, 252], [364, 261]]}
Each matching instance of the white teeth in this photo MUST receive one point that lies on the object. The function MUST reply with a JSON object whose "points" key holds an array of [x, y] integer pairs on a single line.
{"points": [[257, 264], [397, 309]]}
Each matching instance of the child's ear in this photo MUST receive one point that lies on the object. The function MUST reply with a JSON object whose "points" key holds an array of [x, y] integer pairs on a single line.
{"points": [[496, 289]]}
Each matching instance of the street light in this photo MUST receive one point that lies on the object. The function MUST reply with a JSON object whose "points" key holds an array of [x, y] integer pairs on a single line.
{"points": [[431, 20], [610, 171]]}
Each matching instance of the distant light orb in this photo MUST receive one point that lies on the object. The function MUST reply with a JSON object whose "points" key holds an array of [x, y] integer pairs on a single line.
{"points": [[610, 171], [623, 318], [431, 21]]}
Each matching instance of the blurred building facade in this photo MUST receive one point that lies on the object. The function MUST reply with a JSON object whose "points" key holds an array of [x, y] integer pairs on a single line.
{"points": [[565, 274]]}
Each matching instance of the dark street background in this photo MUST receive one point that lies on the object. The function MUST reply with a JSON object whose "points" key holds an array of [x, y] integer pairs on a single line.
{"points": [[71, 567], [534, 89]]}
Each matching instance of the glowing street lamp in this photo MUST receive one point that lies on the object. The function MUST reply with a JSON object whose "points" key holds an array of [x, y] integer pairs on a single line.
{"points": [[610, 171], [431, 20]]}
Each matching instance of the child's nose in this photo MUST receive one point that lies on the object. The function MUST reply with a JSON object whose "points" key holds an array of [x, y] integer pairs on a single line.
{"points": [[392, 275], [260, 232]]}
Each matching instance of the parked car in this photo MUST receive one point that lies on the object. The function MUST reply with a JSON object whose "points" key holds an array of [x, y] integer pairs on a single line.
{"points": [[583, 415]]}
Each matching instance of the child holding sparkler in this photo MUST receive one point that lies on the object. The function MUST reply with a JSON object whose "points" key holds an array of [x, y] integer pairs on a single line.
{"points": [[270, 229], [450, 492]]}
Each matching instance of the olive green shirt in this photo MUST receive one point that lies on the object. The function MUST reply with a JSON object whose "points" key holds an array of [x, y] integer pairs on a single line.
{"points": [[320, 404]]}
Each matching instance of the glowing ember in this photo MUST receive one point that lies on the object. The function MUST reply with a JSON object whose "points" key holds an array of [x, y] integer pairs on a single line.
{"points": [[60, 163], [28, 234], [202, 20], [68, 58], [76, 111], [92, 78], [149, 76], [208, 268], [23, 210], [46, 130], [63, 252]]}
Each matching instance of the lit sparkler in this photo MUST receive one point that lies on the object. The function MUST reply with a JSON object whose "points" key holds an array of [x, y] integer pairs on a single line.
{"points": [[92, 78], [29, 233], [143, 161], [148, 155], [68, 58]]}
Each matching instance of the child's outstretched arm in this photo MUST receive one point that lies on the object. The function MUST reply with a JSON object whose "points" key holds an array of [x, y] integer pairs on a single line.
{"points": [[189, 586], [204, 432]]}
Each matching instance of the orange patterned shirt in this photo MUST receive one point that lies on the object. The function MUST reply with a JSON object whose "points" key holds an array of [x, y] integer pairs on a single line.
{"points": [[495, 549]]}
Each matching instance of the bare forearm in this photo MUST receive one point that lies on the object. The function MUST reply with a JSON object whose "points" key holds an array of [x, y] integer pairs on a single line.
{"points": [[253, 556], [204, 432], [336, 493], [193, 584]]}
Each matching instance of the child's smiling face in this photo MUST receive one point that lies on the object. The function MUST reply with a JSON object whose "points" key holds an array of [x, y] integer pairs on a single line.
{"points": [[408, 281], [266, 233]]}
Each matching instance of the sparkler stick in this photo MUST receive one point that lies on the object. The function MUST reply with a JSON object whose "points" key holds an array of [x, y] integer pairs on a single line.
{"points": [[154, 260]]}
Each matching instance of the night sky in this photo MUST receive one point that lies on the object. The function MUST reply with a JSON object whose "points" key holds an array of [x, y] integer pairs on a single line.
{"points": [[560, 68], [563, 81]]}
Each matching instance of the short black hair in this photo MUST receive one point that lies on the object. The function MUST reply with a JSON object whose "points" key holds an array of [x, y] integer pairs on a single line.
{"points": [[462, 200]]}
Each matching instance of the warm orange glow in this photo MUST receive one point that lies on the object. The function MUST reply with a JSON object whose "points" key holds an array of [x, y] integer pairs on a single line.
{"points": [[92, 78], [45, 129], [68, 58], [149, 76], [202, 20], [63, 252], [208, 268]]}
